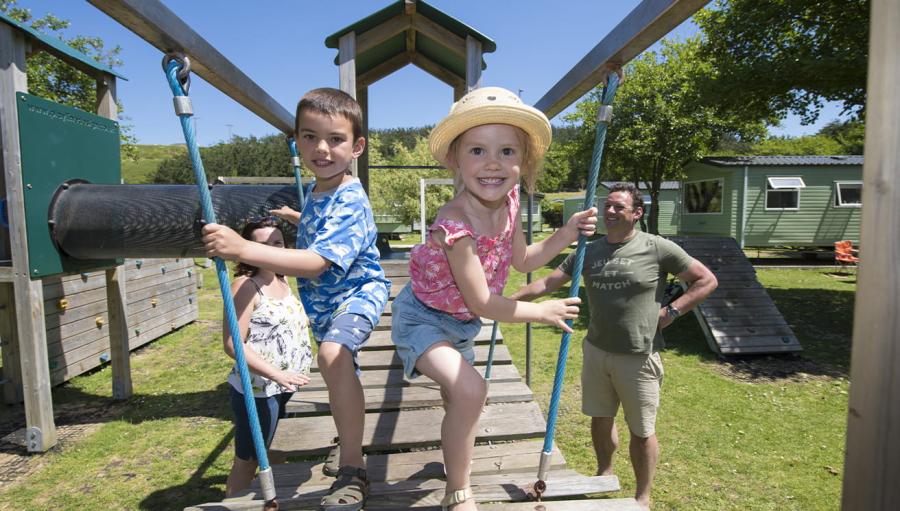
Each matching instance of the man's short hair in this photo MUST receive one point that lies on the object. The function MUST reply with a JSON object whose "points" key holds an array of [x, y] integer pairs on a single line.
{"points": [[333, 103], [637, 200]]}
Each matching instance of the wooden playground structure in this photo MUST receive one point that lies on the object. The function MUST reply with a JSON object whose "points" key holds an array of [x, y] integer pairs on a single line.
{"points": [[400, 438]]}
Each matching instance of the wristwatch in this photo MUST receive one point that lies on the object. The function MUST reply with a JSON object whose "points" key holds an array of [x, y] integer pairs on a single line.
{"points": [[672, 312]]}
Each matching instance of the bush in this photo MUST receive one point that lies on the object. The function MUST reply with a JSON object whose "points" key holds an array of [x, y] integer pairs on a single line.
{"points": [[552, 212]]}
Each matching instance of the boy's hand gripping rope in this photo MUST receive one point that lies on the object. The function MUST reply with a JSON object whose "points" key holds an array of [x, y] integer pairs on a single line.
{"points": [[604, 116], [177, 68]]}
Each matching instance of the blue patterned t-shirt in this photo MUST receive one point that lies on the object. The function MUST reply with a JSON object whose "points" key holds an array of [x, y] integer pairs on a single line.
{"points": [[339, 226]]}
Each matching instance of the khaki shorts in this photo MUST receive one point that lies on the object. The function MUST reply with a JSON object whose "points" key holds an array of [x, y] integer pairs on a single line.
{"points": [[608, 379]]}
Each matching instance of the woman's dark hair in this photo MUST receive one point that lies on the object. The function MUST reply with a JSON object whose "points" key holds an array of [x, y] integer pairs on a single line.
{"points": [[244, 269]]}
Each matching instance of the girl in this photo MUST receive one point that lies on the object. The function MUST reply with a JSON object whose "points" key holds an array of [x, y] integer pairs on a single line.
{"points": [[491, 141], [274, 328]]}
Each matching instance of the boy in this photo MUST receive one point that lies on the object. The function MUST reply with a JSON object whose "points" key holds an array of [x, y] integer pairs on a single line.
{"points": [[341, 283]]}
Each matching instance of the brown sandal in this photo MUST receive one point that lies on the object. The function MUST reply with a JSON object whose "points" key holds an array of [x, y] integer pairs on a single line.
{"points": [[348, 492], [332, 462], [456, 497]]}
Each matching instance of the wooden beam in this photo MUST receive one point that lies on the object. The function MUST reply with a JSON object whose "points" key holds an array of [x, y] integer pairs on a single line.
{"points": [[160, 27], [872, 465], [381, 33], [383, 69], [437, 71], [410, 40], [362, 163], [409, 6], [347, 72], [646, 24], [117, 309], [446, 38], [473, 63], [31, 341], [12, 373]]}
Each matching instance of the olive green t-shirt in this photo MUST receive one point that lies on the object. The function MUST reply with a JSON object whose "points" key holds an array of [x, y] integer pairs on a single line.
{"points": [[625, 283]]}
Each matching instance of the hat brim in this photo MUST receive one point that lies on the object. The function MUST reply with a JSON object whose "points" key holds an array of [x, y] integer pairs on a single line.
{"points": [[529, 119]]}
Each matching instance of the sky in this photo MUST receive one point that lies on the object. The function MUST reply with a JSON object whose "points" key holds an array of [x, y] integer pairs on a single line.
{"points": [[280, 44]]}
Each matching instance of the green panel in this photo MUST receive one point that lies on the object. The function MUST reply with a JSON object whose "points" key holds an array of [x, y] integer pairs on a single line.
{"points": [[385, 51], [817, 221], [59, 144], [441, 55]]}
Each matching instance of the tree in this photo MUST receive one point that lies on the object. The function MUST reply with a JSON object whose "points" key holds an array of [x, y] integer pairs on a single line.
{"points": [[786, 55], [53, 79], [659, 121]]}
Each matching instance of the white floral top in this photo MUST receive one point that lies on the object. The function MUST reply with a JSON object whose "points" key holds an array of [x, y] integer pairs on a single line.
{"points": [[279, 333]]}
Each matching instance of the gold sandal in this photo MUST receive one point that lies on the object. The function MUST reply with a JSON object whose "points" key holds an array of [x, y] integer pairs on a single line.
{"points": [[456, 497]]}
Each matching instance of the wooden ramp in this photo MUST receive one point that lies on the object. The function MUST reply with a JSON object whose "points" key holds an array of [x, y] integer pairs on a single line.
{"points": [[402, 440], [739, 318]]}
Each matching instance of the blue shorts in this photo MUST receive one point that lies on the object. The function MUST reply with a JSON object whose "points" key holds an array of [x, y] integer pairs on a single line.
{"points": [[350, 331], [269, 409], [416, 327]]}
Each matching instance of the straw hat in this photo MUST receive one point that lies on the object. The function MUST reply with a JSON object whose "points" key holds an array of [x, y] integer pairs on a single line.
{"points": [[490, 105]]}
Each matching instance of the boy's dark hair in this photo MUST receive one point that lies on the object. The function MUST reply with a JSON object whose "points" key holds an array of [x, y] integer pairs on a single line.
{"points": [[333, 103], [244, 269], [637, 200]]}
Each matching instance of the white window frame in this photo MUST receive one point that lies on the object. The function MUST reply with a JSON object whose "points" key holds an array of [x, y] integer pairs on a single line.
{"points": [[775, 187], [839, 203], [684, 196]]}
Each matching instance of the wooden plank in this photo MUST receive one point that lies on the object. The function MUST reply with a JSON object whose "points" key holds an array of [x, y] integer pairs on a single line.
{"points": [[739, 294], [758, 350], [12, 388], [383, 69], [737, 302], [436, 70], [306, 436], [388, 359], [744, 321], [381, 32], [731, 310], [623, 504], [441, 35], [473, 63], [315, 402], [727, 331], [508, 458], [381, 339], [28, 295], [395, 377], [418, 493], [755, 341]]}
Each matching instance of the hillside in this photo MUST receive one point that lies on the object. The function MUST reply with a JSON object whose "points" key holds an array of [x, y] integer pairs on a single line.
{"points": [[141, 169]]}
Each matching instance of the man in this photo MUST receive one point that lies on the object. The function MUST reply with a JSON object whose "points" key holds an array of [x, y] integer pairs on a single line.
{"points": [[625, 278]]}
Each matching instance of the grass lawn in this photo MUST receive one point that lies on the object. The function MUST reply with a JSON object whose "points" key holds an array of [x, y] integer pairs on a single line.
{"points": [[760, 433], [141, 169]]}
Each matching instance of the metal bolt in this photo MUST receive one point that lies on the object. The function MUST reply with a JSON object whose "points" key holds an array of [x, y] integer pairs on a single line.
{"points": [[28, 186], [35, 271]]}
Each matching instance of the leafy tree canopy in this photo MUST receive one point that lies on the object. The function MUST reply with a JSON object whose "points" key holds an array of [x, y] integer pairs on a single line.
{"points": [[781, 56], [53, 79], [660, 121]]}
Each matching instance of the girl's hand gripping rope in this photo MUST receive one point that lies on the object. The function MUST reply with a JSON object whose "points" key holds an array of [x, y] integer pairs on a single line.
{"points": [[556, 312]]}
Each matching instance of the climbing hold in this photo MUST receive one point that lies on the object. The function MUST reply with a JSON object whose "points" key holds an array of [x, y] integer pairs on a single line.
{"points": [[63, 304], [99, 321]]}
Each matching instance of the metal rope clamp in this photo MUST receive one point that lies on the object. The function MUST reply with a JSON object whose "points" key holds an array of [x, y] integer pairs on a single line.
{"points": [[605, 113], [182, 104]]}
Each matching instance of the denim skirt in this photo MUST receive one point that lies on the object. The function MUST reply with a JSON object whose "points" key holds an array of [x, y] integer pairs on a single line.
{"points": [[416, 327]]}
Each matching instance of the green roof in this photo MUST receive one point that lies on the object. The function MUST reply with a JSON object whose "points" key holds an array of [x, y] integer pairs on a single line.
{"points": [[425, 45], [61, 50]]}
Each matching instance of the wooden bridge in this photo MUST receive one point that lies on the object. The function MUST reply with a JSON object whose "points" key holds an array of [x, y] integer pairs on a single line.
{"points": [[402, 439], [739, 318]]}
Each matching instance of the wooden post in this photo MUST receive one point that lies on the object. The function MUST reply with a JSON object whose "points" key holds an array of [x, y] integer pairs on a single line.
{"points": [[119, 351], [872, 464], [31, 330], [362, 164], [347, 73], [473, 63]]}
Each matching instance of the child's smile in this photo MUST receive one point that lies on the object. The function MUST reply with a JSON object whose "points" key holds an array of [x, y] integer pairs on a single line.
{"points": [[488, 160]]}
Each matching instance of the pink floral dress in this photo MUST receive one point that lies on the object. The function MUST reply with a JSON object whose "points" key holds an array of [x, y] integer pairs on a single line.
{"points": [[431, 279]]}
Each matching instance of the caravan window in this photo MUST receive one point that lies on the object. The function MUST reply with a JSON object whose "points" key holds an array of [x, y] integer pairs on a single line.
{"points": [[783, 193], [703, 197], [848, 194]]}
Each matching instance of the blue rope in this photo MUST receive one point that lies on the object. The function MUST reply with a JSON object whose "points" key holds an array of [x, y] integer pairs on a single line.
{"points": [[609, 92], [292, 144], [209, 216]]}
